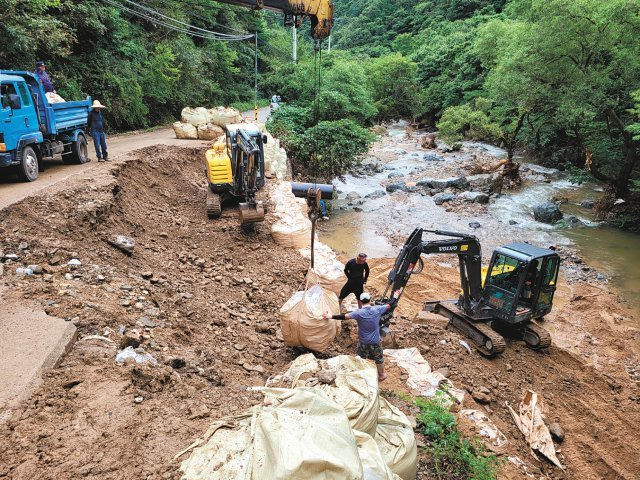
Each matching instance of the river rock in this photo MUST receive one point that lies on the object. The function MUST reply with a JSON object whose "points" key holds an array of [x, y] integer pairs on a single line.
{"points": [[475, 197], [474, 225], [485, 182], [547, 212], [556, 432], [432, 157], [589, 203], [395, 175], [122, 243], [573, 221], [376, 194], [429, 140], [441, 198], [394, 187], [457, 182]]}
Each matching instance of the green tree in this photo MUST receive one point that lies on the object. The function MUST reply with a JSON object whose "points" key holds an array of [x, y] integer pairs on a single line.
{"points": [[393, 84]]}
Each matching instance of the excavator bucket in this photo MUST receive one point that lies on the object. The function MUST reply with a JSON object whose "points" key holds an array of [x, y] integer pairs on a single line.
{"points": [[251, 213]]}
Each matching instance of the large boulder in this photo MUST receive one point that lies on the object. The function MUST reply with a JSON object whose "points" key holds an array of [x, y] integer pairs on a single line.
{"points": [[457, 182], [432, 157], [486, 182], [441, 198], [394, 187], [547, 212], [475, 197]]}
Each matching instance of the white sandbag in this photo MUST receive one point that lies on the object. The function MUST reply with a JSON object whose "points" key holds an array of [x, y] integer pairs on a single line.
{"points": [[54, 98], [291, 228], [222, 116], [195, 116], [209, 132], [301, 319], [296, 434], [396, 440], [185, 131], [328, 271]]}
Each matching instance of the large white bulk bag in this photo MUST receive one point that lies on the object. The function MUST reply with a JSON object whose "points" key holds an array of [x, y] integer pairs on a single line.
{"points": [[185, 130], [195, 116], [301, 319], [222, 116], [209, 132]]}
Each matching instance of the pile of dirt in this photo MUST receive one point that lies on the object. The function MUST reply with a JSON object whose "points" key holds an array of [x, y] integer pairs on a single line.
{"points": [[202, 297]]}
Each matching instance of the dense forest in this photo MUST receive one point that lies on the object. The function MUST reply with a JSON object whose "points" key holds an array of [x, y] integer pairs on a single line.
{"points": [[560, 78]]}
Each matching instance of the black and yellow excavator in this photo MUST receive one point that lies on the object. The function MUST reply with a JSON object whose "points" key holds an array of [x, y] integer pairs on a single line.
{"points": [[235, 171], [518, 288]]}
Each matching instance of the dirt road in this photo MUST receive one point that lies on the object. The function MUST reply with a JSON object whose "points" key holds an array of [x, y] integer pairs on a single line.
{"points": [[12, 190]]}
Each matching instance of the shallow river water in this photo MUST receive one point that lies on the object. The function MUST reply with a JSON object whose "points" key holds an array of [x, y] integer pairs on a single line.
{"points": [[380, 225]]}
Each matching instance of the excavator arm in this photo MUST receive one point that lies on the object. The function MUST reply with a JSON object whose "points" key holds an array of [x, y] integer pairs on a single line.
{"points": [[319, 11], [408, 261]]}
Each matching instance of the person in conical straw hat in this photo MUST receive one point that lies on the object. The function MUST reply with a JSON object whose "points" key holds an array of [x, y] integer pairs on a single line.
{"points": [[96, 127]]}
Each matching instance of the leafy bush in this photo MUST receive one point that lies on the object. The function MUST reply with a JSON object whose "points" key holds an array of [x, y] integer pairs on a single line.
{"points": [[452, 455]]}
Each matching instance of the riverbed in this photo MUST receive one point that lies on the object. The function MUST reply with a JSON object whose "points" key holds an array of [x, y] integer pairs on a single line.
{"points": [[379, 224]]}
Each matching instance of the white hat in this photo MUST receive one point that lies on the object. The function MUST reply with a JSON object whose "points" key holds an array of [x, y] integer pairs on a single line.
{"points": [[365, 297], [97, 104]]}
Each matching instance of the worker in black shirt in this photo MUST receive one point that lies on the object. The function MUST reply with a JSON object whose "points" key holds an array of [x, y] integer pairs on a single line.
{"points": [[357, 272]]}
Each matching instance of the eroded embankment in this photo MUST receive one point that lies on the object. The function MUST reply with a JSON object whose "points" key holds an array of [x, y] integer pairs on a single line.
{"points": [[196, 293]]}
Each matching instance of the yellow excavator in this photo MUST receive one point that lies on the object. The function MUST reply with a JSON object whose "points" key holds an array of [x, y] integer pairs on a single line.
{"points": [[319, 11], [235, 165], [235, 171]]}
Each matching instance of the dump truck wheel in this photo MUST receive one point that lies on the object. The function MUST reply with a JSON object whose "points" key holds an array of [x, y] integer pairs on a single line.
{"points": [[28, 168], [79, 151]]}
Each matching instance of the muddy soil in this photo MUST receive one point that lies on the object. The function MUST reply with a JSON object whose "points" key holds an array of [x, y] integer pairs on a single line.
{"points": [[202, 297]]}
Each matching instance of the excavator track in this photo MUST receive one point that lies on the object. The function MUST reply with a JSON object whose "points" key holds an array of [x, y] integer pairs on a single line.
{"points": [[214, 207], [488, 342], [536, 337], [494, 343]]}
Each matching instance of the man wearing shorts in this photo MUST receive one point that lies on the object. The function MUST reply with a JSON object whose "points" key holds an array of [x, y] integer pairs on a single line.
{"points": [[368, 318], [357, 272]]}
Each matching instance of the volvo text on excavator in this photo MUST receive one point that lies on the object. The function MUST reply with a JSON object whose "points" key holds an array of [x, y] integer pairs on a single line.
{"points": [[518, 288], [235, 171]]}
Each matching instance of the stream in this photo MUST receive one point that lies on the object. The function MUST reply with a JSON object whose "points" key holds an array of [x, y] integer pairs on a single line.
{"points": [[380, 223]]}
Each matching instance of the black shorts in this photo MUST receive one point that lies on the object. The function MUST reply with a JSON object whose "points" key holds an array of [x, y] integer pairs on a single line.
{"points": [[371, 352], [354, 288]]}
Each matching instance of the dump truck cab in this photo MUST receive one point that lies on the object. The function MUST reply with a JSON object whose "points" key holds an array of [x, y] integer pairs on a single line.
{"points": [[521, 281]]}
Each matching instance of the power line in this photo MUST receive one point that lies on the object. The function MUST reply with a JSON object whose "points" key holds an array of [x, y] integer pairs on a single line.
{"points": [[182, 27]]}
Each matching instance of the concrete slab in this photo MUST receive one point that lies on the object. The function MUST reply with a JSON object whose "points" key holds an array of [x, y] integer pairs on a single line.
{"points": [[30, 342]]}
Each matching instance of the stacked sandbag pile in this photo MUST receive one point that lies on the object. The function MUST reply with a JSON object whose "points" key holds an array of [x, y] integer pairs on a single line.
{"points": [[200, 123], [275, 158], [301, 319], [291, 228], [325, 421]]}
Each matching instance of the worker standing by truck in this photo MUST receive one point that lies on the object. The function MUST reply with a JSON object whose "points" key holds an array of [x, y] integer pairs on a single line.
{"points": [[41, 73], [96, 127], [357, 272]]}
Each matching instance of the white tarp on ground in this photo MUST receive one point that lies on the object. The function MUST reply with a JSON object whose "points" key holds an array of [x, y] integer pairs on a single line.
{"points": [[532, 426], [485, 427], [421, 379], [355, 388]]}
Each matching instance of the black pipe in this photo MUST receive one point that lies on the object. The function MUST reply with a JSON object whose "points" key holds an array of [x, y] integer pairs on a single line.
{"points": [[301, 189]]}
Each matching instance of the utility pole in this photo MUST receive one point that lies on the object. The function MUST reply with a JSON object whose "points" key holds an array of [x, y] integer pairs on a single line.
{"points": [[295, 44], [329, 46]]}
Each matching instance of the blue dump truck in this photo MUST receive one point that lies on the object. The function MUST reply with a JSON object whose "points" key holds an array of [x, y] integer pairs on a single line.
{"points": [[32, 129]]}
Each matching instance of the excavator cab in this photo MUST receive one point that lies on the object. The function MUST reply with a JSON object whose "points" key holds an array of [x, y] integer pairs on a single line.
{"points": [[520, 282]]}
